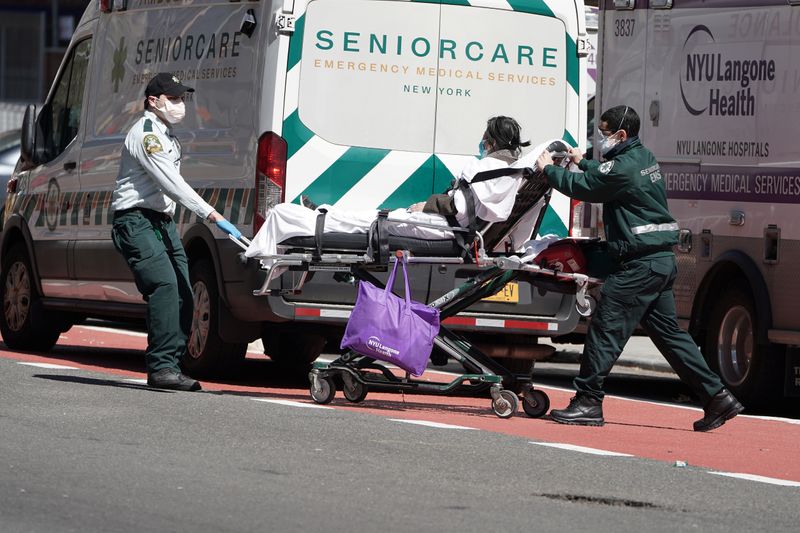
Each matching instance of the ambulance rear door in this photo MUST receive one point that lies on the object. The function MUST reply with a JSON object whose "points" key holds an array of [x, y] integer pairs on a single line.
{"points": [[518, 60], [359, 120]]}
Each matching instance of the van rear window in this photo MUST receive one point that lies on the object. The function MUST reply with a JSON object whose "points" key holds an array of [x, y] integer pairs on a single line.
{"points": [[426, 77]]}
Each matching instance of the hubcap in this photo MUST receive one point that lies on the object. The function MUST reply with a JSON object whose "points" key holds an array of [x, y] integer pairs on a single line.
{"points": [[17, 299], [735, 345], [200, 320]]}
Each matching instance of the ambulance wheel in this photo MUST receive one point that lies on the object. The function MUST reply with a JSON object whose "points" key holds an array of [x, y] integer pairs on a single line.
{"points": [[506, 405], [355, 391], [207, 354], [751, 371], [535, 403], [25, 325], [322, 390]]}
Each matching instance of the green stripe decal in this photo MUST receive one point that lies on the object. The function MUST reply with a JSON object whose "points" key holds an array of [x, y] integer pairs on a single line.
{"points": [[65, 203], [551, 223], [343, 175], [432, 177], [250, 208], [296, 42], [573, 65], [442, 177], [295, 133], [531, 6], [415, 189], [237, 199], [569, 139]]}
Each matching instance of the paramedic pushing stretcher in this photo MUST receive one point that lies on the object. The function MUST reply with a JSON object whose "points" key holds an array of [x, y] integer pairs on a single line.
{"points": [[148, 185], [641, 233]]}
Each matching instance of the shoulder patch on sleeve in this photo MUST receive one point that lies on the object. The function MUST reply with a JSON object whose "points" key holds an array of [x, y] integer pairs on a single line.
{"points": [[148, 125], [151, 144], [606, 167]]}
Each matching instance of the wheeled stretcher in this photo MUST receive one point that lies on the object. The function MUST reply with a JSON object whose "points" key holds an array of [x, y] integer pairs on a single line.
{"points": [[489, 246]]}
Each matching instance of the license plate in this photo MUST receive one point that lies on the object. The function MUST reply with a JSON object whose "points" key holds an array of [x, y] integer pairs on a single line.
{"points": [[509, 294]]}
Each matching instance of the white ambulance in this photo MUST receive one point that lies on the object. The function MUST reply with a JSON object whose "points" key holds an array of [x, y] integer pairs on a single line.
{"points": [[716, 86], [356, 103]]}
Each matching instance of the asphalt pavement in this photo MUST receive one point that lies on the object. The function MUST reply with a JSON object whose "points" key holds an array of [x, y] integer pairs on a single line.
{"points": [[88, 450]]}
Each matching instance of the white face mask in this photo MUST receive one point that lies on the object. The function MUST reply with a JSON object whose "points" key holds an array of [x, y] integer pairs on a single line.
{"points": [[173, 112], [607, 143]]}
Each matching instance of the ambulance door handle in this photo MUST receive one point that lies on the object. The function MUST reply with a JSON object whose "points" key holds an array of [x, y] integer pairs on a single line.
{"points": [[69, 166]]}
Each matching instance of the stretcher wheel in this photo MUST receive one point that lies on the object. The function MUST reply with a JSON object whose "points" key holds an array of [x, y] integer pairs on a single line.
{"points": [[355, 391], [535, 403], [506, 404], [322, 390]]}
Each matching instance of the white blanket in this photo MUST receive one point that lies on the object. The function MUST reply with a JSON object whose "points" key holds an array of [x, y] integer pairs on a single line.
{"points": [[495, 200]]}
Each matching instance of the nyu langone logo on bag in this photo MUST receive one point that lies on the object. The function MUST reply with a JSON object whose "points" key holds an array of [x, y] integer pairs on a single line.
{"points": [[726, 75], [378, 347]]}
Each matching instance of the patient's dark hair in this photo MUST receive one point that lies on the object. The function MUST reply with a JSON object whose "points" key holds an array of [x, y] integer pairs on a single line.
{"points": [[503, 133]]}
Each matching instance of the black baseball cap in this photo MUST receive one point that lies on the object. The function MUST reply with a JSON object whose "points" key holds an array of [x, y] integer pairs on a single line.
{"points": [[166, 83]]}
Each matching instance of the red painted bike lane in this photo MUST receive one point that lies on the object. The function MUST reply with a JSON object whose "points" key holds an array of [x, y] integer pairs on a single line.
{"points": [[749, 445]]}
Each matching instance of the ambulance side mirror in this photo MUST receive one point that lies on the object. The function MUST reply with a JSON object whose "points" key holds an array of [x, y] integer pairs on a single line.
{"points": [[28, 140]]}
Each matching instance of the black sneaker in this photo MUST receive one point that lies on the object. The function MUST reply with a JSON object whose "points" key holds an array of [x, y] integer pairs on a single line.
{"points": [[305, 201], [166, 378], [582, 410], [721, 408]]}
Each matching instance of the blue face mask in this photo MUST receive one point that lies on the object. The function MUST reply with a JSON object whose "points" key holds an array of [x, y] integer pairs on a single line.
{"points": [[482, 149]]}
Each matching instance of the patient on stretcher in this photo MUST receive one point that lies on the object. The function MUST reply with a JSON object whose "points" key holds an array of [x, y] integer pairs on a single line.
{"points": [[493, 200]]}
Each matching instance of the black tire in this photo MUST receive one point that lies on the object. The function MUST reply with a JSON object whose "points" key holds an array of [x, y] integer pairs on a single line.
{"points": [[751, 371], [505, 406], [326, 391], [207, 354], [357, 393], [535, 403], [294, 348], [25, 325]]}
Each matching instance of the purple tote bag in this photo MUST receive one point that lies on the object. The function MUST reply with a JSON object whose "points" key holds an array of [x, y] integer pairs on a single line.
{"points": [[387, 327]]}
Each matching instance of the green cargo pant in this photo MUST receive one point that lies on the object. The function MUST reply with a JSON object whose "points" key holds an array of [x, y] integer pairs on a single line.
{"points": [[641, 292], [150, 244]]}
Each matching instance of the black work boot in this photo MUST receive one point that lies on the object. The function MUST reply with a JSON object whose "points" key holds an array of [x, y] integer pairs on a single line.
{"points": [[583, 410], [722, 407], [166, 378]]}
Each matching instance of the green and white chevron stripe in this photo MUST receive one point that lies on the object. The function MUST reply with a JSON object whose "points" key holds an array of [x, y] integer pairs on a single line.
{"points": [[363, 178]]}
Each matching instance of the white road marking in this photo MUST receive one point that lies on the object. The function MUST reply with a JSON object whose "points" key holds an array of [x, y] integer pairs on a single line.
{"points": [[293, 404], [436, 425], [581, 449], [138, 381], [116, 330], [760, 479], [50, 366]]}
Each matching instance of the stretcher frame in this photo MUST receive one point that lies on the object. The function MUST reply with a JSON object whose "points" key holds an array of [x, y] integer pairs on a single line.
{"points": [[358, 373]]}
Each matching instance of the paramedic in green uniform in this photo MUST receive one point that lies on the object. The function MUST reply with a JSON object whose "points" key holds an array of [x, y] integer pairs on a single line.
{"points": [[148, 185], [641, 233]]}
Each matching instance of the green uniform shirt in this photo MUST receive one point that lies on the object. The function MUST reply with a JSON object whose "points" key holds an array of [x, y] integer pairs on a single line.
{"points": [[631, 189]]}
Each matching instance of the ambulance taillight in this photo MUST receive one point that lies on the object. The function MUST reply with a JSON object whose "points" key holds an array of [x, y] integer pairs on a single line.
{"points": [[105, 5], [270, 186], [584, 219]]}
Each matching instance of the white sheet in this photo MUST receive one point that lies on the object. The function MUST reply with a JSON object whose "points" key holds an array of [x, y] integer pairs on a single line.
{"points": [[285, 221], [495, 201]]}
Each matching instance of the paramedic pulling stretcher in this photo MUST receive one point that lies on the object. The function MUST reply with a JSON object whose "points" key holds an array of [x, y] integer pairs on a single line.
{"points": [[353, 256], [641, 233]]}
